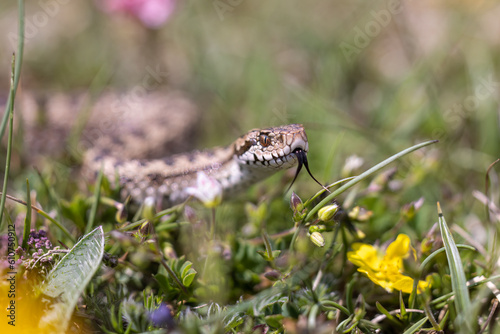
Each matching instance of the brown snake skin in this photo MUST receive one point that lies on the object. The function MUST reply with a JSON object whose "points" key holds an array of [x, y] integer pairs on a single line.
{"points": [[128, 139]]}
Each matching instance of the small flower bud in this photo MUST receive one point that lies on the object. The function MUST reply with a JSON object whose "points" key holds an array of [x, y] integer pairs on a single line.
{"points": [[148, 211], [121, 214], [381, 180], [313, 228], [296, 203], [299, 211], [272, 275], [317, 228], [352, 165], [146, 228], [327, 212], [360, 214], [360, 234], [317, 239], [426, 246], [409, 210], [169, 251]]}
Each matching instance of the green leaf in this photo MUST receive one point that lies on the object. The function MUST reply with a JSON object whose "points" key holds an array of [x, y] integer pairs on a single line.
{"points": [[329, 305], [439, 251], [274, 320], [27, 221], [416, 326], [458, 281], [402, 305], [95, 204], [185, 268], [234, 321], [70, 276], [385, 312], [10, 113], [17, 68], [188, 278], [276, 253]]}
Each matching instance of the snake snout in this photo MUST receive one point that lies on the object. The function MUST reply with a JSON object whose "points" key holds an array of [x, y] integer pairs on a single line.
{"points": [[299, 145]]}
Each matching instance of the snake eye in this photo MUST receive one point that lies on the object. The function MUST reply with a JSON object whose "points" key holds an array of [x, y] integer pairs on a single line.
{"points": [[264, 140]]}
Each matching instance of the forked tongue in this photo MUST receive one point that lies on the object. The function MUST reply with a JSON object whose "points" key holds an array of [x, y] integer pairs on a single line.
{"points": [[302, 158]]}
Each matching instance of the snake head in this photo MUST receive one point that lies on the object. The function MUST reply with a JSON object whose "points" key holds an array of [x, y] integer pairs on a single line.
{"points": [[275, 147]]}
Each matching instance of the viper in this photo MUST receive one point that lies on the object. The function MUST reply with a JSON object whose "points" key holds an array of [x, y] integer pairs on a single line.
{"points": [[251, 158], [141, 141]]}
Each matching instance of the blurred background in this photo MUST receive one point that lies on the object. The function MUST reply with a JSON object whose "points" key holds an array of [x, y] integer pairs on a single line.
{"points": [[365, 78]]}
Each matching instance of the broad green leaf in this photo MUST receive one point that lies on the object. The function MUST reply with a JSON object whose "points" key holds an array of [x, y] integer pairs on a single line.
{"points": [[185, 268], [188, 278], [70, 276]]}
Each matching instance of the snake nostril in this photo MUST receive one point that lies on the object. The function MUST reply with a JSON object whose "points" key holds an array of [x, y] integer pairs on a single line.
{"points": [[298, 150]]}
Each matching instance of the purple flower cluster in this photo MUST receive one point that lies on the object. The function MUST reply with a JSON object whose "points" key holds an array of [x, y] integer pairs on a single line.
{"points": [[39, 240], [38, 246]]}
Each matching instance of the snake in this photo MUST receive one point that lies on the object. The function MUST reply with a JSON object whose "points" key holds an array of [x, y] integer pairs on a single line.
{"points": [[140, 143], [252, 157]]}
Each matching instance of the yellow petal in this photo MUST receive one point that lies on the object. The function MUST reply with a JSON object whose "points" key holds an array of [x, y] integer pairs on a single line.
{"points": [[364, 255], [378, 279], [399, 248], [405, 284]]}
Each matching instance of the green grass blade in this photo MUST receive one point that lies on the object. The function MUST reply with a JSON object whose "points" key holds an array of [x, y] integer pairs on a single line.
{"points": [[387, 314], [9, 108], [439, 251], [27, 220], [364, 175], [70, 276], [95, 204], [458, 281], [416, 326], [17, 68], [44, 214], [9, 143], [336, 306]]}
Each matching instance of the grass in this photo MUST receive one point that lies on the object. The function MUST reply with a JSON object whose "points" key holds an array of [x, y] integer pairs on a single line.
{"points": [[272, 266]]}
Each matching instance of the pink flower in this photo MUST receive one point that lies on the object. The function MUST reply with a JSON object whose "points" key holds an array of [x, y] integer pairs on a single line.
{"points": [[152, 13]]}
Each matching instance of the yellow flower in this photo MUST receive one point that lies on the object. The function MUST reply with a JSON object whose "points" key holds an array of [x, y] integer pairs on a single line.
{"points": [[386, 270]]}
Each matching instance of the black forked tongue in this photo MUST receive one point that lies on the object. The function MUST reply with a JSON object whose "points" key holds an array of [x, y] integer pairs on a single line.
{"points": [[302, 158]]}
